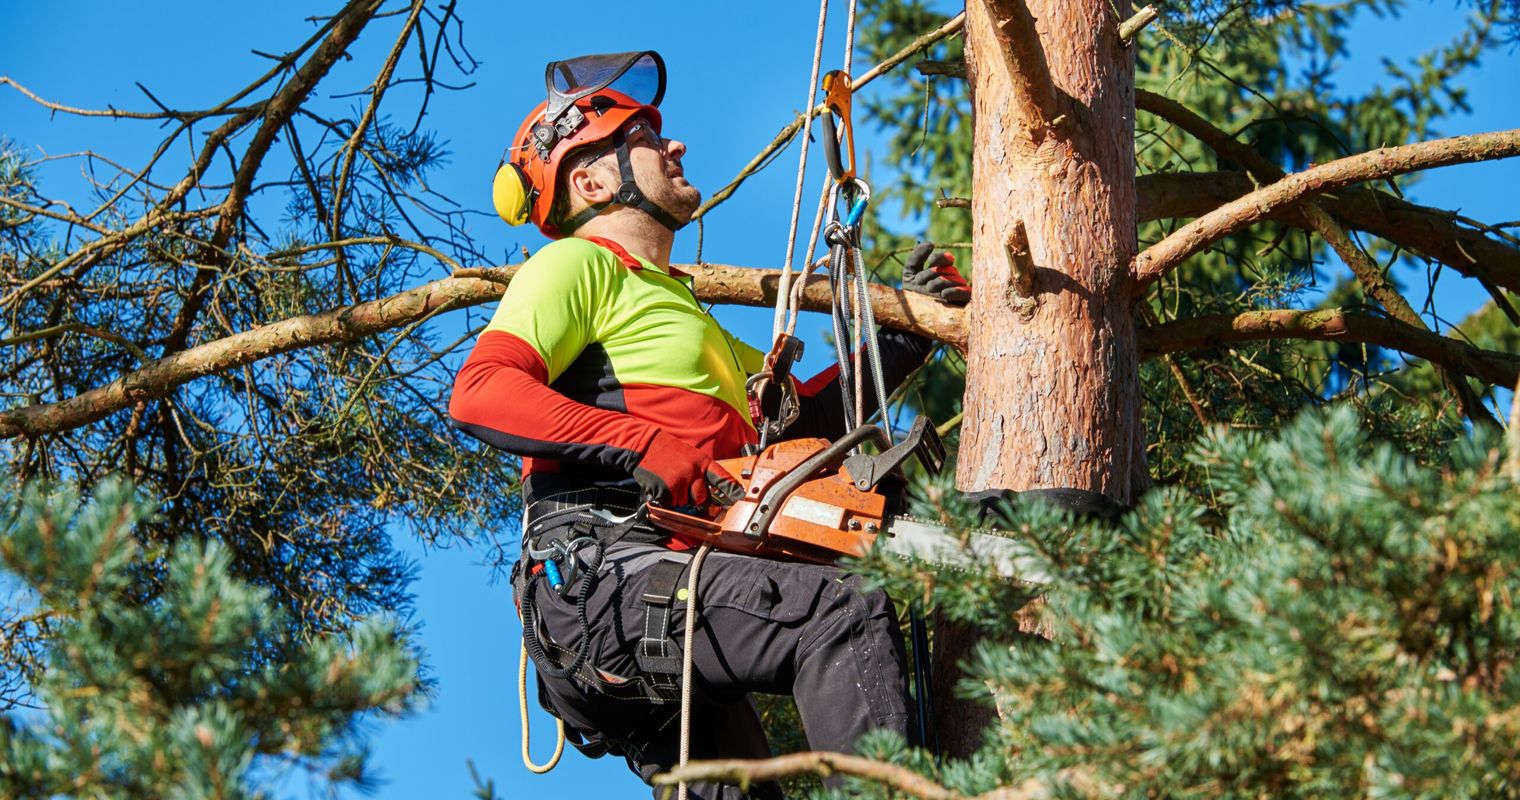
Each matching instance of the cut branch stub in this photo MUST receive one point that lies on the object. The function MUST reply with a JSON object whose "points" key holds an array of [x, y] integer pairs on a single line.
{"points": [[1021, 270], [1131, 27]]}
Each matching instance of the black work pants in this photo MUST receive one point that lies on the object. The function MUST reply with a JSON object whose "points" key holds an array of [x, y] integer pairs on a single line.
{"points": [[763, 626]]}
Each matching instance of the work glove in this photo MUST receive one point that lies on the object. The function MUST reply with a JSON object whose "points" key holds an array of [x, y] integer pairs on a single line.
{"points": [[936, 277], [673, 474]]}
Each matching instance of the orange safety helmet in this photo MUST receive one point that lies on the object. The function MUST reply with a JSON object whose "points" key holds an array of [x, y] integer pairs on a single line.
{"points": [[591, 99]]}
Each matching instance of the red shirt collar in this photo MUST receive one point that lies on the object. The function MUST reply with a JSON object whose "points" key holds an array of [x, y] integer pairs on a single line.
{"points": [[628, 260]]}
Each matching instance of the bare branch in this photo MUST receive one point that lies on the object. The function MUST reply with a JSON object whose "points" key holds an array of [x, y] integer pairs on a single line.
{"points": [[75, 327], [158, 379], [743, 772], [1160, 258], [715, 283], [382, 81], [349, 23], [1333, 324], [762, 158], [1431, 232], [115, 113]]}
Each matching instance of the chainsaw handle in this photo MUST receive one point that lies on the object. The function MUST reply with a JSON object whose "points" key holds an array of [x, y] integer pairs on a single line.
{"points": [[832, 456]]}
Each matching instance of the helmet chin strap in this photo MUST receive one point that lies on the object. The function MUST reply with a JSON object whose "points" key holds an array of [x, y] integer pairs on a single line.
{"points": [[628, 194]]}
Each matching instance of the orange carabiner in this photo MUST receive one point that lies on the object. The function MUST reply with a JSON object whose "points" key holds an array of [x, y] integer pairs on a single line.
{"points": [[837, 88]]}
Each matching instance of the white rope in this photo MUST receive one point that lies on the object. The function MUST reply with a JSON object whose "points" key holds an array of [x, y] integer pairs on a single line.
{"points": [[794, 310], [799, 287], [807, 122], [849, 41], [787, 308], [522, 703], [686, 660]]}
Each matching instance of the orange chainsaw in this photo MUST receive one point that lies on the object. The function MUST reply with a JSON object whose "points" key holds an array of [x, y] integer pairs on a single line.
{"points": [[814, 500]]}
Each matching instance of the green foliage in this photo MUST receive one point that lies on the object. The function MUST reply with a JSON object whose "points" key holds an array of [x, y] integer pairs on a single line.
{"points": [[198, 690], [1322, 616]]}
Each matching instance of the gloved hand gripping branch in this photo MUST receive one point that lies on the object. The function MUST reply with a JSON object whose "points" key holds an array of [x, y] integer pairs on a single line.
{"points": [[936, 277]]}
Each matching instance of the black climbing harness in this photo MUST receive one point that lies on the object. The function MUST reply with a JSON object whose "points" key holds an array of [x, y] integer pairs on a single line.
{"points": [[566, 549]]}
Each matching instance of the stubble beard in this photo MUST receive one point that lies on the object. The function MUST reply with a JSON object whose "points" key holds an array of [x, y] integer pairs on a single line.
{"points": [[680, 200]]}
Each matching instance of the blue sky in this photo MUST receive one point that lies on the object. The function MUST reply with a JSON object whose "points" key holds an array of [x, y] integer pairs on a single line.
{"points": [[738, 73]]}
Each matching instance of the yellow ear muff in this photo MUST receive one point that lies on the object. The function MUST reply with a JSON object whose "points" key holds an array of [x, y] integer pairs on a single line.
{"points": [[511, 193]]}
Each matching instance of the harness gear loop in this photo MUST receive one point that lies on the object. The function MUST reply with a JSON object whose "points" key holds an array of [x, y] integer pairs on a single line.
{"points": [[601, 531]]}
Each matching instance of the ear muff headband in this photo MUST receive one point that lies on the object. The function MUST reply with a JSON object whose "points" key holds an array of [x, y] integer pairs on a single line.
{"points": [[512, 194]]}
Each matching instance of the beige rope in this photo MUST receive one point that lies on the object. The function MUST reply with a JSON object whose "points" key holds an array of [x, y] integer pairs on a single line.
{"points": [[686, 660], [807, 122], [522, 704]]}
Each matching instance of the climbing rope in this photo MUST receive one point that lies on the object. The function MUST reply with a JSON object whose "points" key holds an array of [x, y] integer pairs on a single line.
{"points": [[686, 660], [807, 121], [522, 705], [786, 309]]}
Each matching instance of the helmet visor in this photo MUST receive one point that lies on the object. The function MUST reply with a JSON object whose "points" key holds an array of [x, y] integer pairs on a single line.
{"points": [[639, 75]]}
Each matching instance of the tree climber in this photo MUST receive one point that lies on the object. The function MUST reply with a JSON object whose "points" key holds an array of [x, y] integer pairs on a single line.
{"points": [[601, 369]]}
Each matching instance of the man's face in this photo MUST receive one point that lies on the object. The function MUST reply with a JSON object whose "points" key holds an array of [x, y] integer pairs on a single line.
{"points": [[657, 168]]}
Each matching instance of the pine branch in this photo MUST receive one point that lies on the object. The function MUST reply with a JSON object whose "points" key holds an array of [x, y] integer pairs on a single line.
{"points": [[160, 213], [715, 283], [1387, 162], [1333, 324], [1368, 274], [1430, 232]]}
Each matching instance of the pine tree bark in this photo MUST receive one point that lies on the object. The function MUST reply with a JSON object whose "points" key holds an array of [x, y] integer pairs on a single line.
{"points": [[1052, 384], [1052, 395]]}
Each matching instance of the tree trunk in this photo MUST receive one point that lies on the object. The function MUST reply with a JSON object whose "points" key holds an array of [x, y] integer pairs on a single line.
{"points": [[1052, 386]]}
